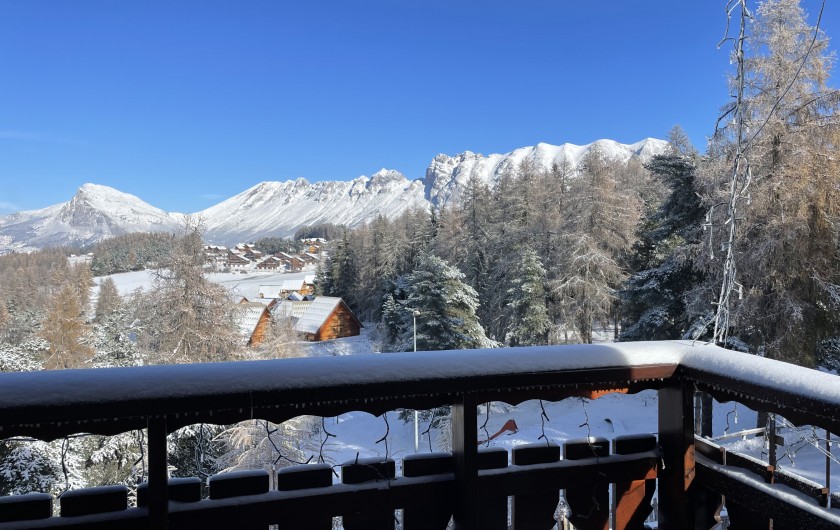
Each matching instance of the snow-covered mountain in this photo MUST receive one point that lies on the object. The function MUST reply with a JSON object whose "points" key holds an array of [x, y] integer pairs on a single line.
{"points": [[93, 214], [448, 175], [280, 208]]}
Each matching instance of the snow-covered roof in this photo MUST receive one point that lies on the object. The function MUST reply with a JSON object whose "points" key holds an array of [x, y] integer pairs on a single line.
{"points": [[270, 291], [309, 279], [247, 318], [290, 308], [317, 313], [291, 285]]}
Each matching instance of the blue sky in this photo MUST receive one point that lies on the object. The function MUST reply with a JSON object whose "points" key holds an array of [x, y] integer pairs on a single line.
{"points": [[184, 103]]}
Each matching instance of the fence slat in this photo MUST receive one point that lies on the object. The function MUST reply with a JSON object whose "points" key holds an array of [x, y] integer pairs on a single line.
{"points": [[589, 500], [364, 470], [633, 498], [432, 514], [534, 511]]}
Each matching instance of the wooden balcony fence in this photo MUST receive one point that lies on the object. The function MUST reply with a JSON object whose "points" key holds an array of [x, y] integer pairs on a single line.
{"points": [[469, 485]]}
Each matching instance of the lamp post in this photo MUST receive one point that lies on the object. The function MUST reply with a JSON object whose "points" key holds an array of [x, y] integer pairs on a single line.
{"points": [[414, 315]]}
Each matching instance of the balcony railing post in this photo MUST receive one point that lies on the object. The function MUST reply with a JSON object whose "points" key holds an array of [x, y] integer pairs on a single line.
{"points": [[158, 494], [465, 452], [676, 438]]}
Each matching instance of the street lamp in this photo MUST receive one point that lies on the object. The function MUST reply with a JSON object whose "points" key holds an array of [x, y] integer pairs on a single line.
{"points": [[414, 315]]}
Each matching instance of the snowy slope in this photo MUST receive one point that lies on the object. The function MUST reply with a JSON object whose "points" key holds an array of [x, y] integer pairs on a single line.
{"points": [[280, 208], [93, 214]]}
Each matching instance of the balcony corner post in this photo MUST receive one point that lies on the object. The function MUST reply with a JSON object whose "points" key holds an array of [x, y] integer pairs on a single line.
{"points": [[676, 440], [465, 453], [158, 480]]}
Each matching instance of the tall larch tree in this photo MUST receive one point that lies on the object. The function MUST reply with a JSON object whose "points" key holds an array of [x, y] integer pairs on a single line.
{"points": [[787, 240]]}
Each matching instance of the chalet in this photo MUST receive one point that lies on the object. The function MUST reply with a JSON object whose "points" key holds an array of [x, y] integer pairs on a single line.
{"points": [[271, 263], [313, 245], [326, 318], [309, 258], [237, 262], [270, 291], [292, 286], [252, 320], [290, 309], [244, 248], [294, 262], [215, 255], [308, 284]]}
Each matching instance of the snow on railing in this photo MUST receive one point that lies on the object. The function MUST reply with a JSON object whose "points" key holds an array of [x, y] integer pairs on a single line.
{"points": [[164, 398]]}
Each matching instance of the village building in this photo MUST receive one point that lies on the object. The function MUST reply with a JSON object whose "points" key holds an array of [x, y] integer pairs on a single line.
{"points": [[291, 308], [215, 256], [253, 320], [271, 263], [326, 318], [237, 262], [270, 291], [292, 286], [294, 263], [309, 258], [308, 284]]}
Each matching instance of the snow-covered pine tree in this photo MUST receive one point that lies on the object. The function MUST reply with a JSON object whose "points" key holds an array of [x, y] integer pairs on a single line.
{"points": [[653, 298], [114, 340], [108, 298], [447, 305], [29, 467], [527, 321], [192, 451]]}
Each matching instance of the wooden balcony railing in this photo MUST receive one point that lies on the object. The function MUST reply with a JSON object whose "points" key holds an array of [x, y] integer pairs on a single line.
{"points": [[469, 485]]}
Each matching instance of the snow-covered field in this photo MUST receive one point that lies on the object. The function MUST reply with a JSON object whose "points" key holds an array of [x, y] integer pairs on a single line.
{"points": [[247, 285]]}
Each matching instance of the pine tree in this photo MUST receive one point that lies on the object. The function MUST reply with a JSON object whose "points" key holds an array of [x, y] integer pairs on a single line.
{"points": [[527, 316], [108, 299], [653, 298], [447, 305], [115, 341]]}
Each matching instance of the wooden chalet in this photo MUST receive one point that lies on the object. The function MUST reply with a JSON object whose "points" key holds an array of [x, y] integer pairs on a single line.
{"points": [[292, 286], [326, 318], [294, 263], [235, 261], [290, 308], [271, 263], [270, 291], [308, 285], [310, 258], [253, 320]]}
